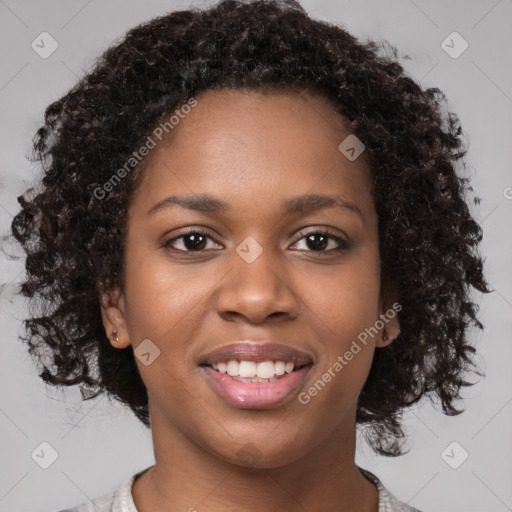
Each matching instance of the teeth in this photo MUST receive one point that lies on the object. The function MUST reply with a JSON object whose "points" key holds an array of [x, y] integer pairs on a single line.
{"points": [[280, 367], [265, 370], [250, 369], [247, 369], [233, 368]]}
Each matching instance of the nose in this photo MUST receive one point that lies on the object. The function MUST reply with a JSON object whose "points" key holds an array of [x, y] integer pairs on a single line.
{"points": [[256, 291]]}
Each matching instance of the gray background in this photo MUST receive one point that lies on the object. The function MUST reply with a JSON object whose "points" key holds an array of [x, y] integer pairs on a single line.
{"points": [[99, 444]]}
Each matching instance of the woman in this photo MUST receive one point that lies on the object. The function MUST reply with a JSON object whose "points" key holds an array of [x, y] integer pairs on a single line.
{"points": [[250, 231]]}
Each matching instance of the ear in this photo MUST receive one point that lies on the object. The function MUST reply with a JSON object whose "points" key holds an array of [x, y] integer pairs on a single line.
{"points": [[388, 323], [113, 316]]}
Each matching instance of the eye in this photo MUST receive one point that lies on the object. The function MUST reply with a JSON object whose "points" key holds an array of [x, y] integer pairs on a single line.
{"points": [[319, 239], [192, 241]]}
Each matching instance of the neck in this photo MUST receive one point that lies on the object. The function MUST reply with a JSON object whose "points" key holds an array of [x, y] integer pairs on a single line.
{"points": [[187, 477]]}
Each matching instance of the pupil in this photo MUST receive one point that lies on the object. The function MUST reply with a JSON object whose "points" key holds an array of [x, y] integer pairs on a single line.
{"points": [[322, 244], [197, 241]]}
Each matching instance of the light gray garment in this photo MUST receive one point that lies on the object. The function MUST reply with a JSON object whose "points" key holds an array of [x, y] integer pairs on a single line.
{"points": [[121, 500]]}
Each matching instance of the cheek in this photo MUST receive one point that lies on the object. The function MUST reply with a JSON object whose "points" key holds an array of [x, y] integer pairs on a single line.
{"points": [[345, 359], [345, 308], [165, 306], [347, 300], [158, 294]]}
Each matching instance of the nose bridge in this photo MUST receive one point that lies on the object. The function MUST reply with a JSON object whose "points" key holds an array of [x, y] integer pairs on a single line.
{"points": [[257, 286]]}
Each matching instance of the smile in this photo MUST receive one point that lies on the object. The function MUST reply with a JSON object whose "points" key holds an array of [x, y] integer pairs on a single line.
{"points": [[250, 385]]}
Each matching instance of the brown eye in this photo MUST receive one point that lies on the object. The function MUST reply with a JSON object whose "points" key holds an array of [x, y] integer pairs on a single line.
{"points": [[320, 240], [317, 241], [193, 241]]}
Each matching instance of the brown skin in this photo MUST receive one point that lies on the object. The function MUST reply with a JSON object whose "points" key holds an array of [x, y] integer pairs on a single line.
{"points": [[253, 151]]}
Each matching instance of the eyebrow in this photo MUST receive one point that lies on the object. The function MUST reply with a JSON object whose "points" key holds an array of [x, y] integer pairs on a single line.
{"points": [[297, 205]]}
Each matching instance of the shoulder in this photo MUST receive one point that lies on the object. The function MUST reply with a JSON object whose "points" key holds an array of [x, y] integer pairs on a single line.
{"points": [[119, 500], [387, 501], [104, 503]]}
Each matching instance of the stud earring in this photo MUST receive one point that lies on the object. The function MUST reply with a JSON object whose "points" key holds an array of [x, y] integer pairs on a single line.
{"points": [[114, 336]]}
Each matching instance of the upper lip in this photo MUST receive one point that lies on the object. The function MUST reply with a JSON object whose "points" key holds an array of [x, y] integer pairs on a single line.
{"points": [[250, 351]]}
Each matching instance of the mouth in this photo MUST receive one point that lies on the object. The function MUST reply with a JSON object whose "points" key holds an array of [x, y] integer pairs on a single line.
{"points": [[253, 376]]}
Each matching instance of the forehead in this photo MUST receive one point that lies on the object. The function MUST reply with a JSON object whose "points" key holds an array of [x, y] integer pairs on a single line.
{"points": [[240, 144]]}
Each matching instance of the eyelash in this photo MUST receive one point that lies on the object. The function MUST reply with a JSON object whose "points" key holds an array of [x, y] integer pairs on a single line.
{"points": [[343, 244]]}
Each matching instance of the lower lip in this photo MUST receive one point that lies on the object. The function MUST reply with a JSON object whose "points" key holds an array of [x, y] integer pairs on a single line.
{"points": [[256, 395]]}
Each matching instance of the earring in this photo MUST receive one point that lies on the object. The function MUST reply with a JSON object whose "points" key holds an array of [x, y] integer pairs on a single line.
{"points": [[114, 336]]}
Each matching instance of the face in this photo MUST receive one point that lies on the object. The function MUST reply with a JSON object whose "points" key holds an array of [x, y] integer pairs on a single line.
{"points": [[258, 263]]}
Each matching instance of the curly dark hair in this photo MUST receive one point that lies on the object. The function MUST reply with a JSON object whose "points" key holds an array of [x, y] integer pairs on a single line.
{"points": [[428, 238]]}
